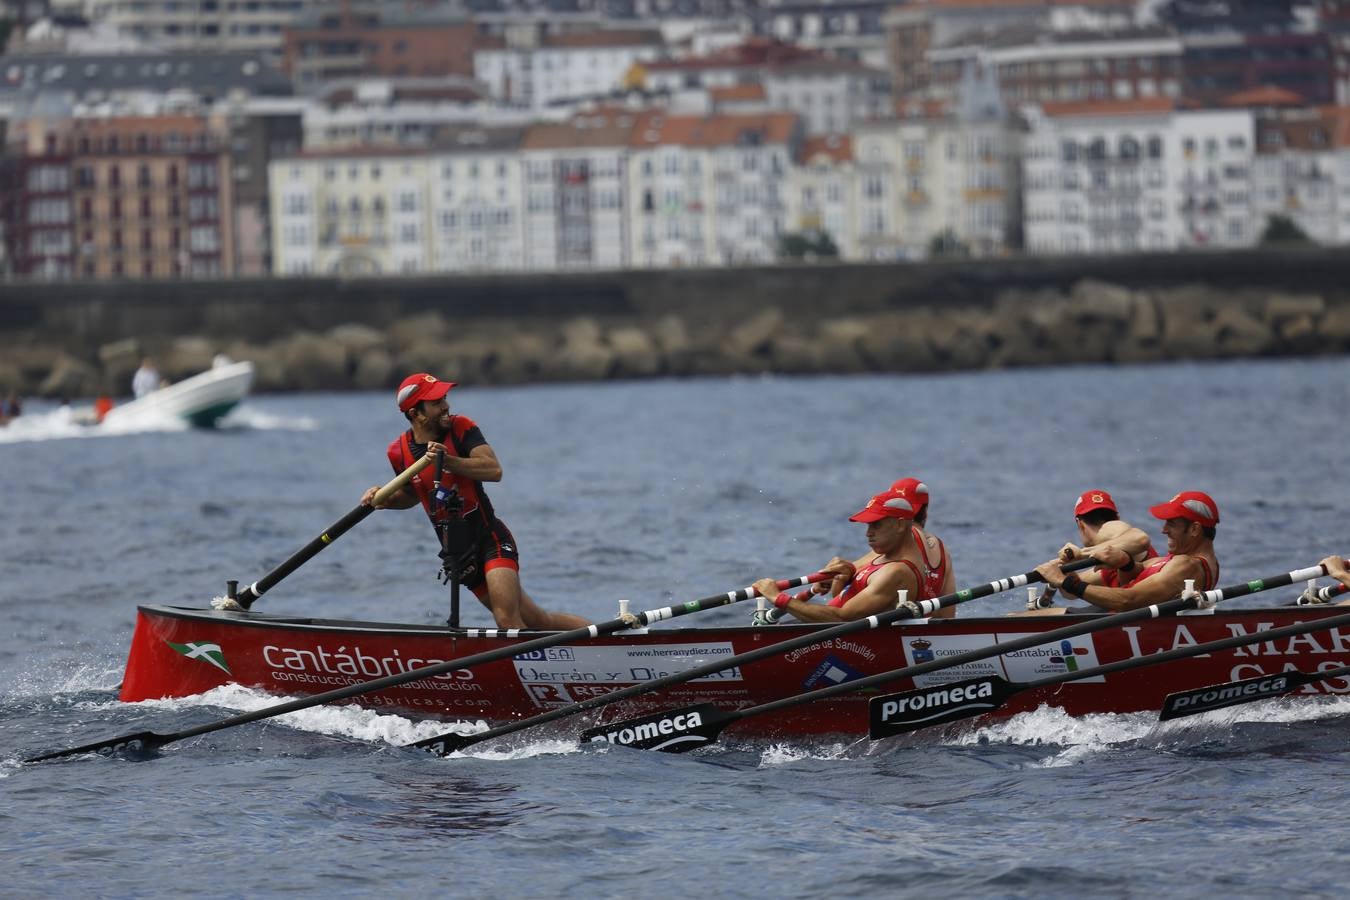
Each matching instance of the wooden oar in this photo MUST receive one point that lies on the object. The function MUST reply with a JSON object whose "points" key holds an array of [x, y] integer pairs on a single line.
{"points": [[923, 707], [255, 590], [149, 740], [1232, 693], [700, 725], [451, 742]]}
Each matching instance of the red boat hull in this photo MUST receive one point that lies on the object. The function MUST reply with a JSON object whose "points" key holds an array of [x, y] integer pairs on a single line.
{"points": [[179, 652]]}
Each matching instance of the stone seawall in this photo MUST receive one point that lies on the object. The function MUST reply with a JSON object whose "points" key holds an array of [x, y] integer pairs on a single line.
{"points": [[323, 334]]}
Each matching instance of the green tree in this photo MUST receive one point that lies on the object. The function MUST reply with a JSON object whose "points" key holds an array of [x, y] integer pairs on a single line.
{"points": [[1283, 230], [945, 244], [808, 245]]}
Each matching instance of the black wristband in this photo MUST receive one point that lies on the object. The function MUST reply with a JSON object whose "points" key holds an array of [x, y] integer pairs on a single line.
{"points": [[1074, 585]]}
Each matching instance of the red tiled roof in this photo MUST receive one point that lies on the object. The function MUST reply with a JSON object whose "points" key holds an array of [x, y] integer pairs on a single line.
{"points": [[737, 92], [657, 129], [838, 148], [1138, 106], [1264, 95]]}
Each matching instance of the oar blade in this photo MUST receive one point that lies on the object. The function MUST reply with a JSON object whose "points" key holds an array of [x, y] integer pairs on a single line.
{"points": [[670, 731], [444, 744], [1233, 693], [907, 711], [140, 742]]}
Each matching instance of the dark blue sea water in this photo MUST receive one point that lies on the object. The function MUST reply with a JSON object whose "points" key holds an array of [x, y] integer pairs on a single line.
{"points": [[660, 492]]}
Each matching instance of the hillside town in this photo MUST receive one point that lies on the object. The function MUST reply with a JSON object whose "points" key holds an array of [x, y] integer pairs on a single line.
{"points": [[232, 138]]}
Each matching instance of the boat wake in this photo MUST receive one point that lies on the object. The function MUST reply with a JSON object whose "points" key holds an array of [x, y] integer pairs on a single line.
{"points": [[65, 423], [1077, 738]]}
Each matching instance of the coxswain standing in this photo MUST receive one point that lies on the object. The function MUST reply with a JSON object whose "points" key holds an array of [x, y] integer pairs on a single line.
{"points": [[490, 563]]}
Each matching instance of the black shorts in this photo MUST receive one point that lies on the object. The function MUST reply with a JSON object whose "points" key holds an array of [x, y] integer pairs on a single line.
{"points": [[493, 547]]}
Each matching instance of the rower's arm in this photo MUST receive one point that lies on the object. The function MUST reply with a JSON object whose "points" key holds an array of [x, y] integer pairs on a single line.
{"points": [[480, 465], [879, 596], [1123, 537], [1166, 585]]}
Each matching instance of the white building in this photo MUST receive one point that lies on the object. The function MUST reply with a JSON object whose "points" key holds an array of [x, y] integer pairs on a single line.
{"points": [[574, 191], [1302, 171], [195, 24], [477, 202], [350, 212], [1120, 177], [822, 193], [563, 66], [708, 190]]}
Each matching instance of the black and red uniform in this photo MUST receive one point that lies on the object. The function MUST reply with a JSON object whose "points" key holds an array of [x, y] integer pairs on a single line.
{"points": [[491, 545]]}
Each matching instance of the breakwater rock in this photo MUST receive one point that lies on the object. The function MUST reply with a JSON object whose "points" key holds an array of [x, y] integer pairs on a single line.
{"points": [[79, 349]]}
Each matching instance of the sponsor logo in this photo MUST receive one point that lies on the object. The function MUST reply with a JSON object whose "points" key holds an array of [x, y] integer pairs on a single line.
{"points": [[937, 701], [203, 650], [1066, 659], [355, 661], [832, 671], [1216, 697], [923, 650], [653, 730]]}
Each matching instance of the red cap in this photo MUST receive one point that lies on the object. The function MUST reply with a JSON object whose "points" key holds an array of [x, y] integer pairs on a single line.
{"points": [[1091, 500], [913, 490], [886, 505], [1192, 505], [419, 387]]}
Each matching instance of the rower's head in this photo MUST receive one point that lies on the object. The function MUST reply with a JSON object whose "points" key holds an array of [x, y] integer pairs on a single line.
{"points": [[916, 492], [1093, 510], [421, 399], [887, 516], [1189, 519]]}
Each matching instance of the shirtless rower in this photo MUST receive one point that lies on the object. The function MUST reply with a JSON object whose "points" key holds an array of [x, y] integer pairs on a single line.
{"points": [[1189, 522], [1099, 526], [896, 562]]}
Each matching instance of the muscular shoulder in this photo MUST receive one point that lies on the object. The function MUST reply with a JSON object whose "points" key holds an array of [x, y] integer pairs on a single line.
{"points": [[467, 434], [395, 453]]}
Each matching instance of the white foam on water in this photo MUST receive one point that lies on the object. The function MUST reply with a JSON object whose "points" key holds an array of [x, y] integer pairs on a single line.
{"points": [[785, 754], [245, 417], [61, 424], [1078, 737]]}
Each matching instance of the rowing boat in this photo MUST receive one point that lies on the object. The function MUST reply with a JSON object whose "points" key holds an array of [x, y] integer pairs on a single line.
{"points": [[179, 652]]}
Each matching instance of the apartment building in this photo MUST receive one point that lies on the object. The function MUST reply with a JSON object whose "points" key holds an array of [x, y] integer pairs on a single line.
{"points": [[1033, 64], [822, 193], [915, 29], [709, 190], [391, 40], [562, 67], [127, 197], [477, 201], [1302, 171], [350, 212], [1134, 175], [575, 190], [201, 24]]}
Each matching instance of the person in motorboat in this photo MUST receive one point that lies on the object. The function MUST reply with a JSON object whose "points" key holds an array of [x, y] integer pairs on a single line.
{"points": [[490, 563], [896, 562], [146, 379], [1189, 520]]}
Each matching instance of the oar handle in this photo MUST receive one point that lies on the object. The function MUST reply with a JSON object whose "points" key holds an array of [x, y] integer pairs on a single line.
{"points": [[297, 559]]}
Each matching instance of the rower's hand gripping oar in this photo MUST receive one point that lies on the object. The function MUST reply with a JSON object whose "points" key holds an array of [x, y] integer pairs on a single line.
{"points": [[924, 707], [244, 599], [148, 740], [451, 742]]}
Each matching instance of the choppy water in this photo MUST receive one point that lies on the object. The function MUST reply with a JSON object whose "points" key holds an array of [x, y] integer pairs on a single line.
{"points": [[660, 492]]}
